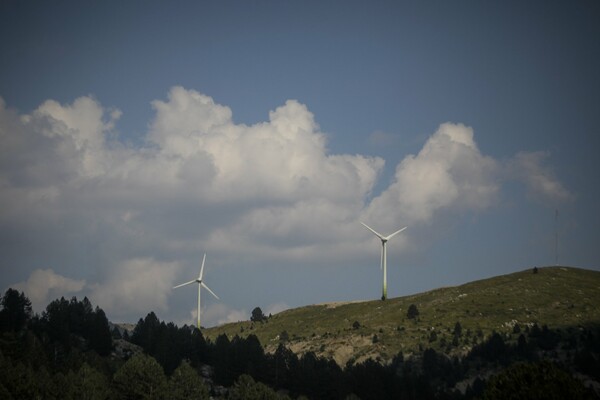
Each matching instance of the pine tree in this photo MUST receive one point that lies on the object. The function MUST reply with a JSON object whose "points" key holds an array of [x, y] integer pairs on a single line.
{"points": [[257, 315], [16, 311], [185, 383], [246, 388], [100, 337], [88, 384], [541, 380], [141, 377]]}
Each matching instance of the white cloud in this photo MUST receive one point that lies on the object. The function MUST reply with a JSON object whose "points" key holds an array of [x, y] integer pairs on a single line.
{"points": [[45, 285], [83, 126], [136, 286], [283, 159], [542, 185], [200, 174], [220, 313], [200, 163], [448, 173]]}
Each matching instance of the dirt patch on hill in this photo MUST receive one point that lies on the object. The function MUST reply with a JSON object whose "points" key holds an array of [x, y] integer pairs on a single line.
{"points": [[354, 347]]}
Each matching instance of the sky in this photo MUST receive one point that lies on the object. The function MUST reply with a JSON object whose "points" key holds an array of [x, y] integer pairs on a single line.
{"points": [[137, 136]]}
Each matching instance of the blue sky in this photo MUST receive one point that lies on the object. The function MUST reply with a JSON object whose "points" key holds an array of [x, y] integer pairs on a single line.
{"points": [[135, 136]]}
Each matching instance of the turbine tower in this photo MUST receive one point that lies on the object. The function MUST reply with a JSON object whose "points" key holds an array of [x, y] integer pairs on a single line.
{"points": [[384, 240], [200, 286]]}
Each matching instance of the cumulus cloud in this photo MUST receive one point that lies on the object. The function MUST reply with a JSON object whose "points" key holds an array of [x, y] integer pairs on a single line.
{"points": [[200, 175], [136, 286], [45, 285], [448, 173], [197, 155], [283, 159]]}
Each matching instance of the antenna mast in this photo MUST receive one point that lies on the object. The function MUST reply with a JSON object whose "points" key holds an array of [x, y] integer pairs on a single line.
{"points": [[556, 237]]}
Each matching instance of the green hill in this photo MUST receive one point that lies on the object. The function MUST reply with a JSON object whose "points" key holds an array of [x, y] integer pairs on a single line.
{"points": [[559, 297]]}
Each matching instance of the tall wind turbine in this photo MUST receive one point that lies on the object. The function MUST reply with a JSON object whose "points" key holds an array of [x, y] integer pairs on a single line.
{"points": [[200, 286], [384, 240]]}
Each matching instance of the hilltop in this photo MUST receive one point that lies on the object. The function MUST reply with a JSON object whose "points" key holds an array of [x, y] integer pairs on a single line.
{"points": [[559, 297]]}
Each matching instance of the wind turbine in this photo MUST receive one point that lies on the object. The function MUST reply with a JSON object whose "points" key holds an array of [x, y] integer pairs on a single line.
{"points": [[200, 286], [384, 240]]}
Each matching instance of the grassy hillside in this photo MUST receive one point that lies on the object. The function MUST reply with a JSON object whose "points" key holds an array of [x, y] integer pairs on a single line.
{"points": [[560, 297]]}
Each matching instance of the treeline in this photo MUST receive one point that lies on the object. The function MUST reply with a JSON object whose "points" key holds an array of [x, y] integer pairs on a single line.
{"points": [[69, 351]]}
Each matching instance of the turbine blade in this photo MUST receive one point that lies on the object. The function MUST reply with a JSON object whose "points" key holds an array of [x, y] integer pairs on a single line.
{"points": [[202, 268], [373, 230], [395, 233], [211, 292], [183, 284]]}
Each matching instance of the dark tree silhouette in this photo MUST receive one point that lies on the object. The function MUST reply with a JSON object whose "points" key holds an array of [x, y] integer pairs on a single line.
{"points": [[531, 381], [493, 349], [257, 315], [16, 311], [141, 377], [185, 383], [170, 344], [99, 334], [66, 321]]}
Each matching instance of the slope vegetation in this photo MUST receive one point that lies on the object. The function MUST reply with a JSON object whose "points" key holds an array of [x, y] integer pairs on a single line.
{"points": [[451, 319]]}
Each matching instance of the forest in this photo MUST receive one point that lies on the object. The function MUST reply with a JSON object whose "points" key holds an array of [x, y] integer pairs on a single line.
{"points": [[71, 351]]}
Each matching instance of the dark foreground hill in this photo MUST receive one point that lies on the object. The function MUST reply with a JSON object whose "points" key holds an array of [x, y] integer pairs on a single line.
{"points": [[450, 320]]}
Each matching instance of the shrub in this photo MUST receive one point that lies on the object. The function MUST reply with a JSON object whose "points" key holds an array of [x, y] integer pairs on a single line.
{"points": [[432, 336], [284, 336], [457, 329], [412, 312]]}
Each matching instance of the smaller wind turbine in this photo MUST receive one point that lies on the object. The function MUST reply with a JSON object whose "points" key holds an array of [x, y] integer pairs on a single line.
{"points": [[384, 240], [200, 286]]}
